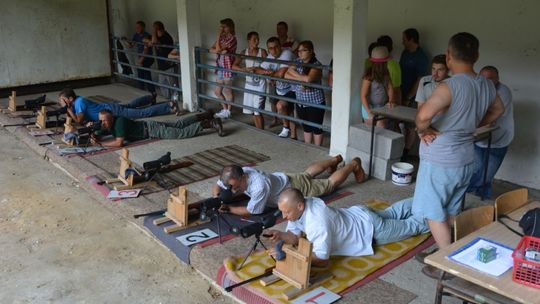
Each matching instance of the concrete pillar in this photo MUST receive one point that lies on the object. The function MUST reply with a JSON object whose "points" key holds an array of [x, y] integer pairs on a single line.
{"points": [[189, 33], [349, 51]]}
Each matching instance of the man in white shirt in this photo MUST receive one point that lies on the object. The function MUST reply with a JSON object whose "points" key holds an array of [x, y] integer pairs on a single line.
{"points": [[263, 188], [284, 89], [427, 84], [343, 231]]}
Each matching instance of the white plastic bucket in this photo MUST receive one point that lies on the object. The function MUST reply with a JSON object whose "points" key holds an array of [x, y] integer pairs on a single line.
{"points": [[402, 173]]}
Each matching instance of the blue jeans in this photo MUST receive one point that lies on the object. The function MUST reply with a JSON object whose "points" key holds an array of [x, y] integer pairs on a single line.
{"points": [[496, 157], [132, 111], [146, 75], [396, 223]]}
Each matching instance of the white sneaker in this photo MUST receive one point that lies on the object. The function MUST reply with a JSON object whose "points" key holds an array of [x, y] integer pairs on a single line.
{"points": [[284, 133], [223, 114]]}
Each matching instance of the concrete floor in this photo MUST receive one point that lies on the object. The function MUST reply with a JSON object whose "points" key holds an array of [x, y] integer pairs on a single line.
{"points": [[404, 284]]}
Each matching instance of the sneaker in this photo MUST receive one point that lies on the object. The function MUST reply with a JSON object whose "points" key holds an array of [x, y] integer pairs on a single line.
{"points": [[223, 114], [284, 133]]}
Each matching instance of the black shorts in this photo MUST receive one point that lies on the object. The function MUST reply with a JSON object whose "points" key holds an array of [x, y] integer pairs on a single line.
{"points": [[291, 95], [311, 114]]}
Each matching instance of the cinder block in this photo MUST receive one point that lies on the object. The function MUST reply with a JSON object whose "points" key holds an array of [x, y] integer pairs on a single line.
{"points": [[382, 168], [386, 144]]}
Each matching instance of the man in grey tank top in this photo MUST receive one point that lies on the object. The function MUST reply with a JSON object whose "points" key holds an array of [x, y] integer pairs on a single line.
{"points": [[445, 124]]}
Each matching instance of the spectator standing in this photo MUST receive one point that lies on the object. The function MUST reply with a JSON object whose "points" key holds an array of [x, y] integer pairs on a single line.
{"points": [[500, 139], [446, 123], [254, 83], [414, 65], [308, 95], [376, 90], [163, 43], [225, 47], [278, 69], [282, 30], [143, 49]]}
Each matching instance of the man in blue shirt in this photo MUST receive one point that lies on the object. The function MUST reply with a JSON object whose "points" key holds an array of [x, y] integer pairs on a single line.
{"points": [[414, 65], [82, 109], [145, 62]]}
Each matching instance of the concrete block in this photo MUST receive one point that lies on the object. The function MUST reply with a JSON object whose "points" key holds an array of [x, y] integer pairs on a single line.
{"points": [[382, 168], [386, 144]]}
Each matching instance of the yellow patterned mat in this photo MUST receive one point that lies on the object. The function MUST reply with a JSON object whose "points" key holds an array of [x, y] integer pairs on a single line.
{"points": [[347, 271]]}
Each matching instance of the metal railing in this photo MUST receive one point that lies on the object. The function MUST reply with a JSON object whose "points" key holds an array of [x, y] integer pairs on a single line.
{"points": [[200, 67], [117, 62]]}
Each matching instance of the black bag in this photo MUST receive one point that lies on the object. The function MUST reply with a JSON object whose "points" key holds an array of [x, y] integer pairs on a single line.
{"points": [[530, 222]]}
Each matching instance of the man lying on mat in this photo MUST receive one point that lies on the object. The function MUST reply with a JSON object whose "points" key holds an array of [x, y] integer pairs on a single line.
{"points": [[343, 231], [264, 188], [124, 129], [81, 109]]}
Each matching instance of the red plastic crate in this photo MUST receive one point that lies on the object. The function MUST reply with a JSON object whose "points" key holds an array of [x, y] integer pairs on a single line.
{"points": [[525, 271]]}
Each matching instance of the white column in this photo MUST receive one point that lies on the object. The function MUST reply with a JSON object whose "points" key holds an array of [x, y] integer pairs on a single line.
{"points": [[189, 33], [350, 37]]}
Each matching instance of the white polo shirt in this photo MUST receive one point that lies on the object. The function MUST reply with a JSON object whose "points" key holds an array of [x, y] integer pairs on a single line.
{"points": [[335, 231], [263, 189]]}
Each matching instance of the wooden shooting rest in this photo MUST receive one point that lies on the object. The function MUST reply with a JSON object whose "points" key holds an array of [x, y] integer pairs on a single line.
{"points": [[12, 106], [295, 269], [129, 182], [177, 211], [41, 119], [68, 128]]}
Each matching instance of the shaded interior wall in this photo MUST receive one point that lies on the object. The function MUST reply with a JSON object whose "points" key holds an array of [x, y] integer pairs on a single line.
{"points": [[507, 31], [56, 40]]}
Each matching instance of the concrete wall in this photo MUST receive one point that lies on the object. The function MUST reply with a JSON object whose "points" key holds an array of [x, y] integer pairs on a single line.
{"points": [[52, 40], [507, 31]]}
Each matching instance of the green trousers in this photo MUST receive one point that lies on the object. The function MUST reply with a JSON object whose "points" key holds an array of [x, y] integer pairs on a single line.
{"points": [[185, 127]]}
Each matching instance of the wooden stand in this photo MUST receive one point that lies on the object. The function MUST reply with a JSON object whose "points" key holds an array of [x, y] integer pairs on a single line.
{"points": [[295, 270], [68, 128], [177, 211], [12, 106], [41, 119], [131, 181]]}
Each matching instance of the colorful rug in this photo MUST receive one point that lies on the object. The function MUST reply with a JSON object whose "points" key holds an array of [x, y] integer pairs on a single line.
{"points": [[208, 163], [226, 222], [349, 272]]}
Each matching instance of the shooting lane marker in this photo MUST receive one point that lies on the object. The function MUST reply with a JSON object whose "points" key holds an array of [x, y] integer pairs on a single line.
{"points": [[295, 269], [178, 212], [197, 237]]}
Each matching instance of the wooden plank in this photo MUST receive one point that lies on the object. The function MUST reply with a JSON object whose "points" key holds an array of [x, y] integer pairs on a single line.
{"points": [[315, 282], [288, 279], [161, 220], [497, 232], [292, 252], [269, 280]]}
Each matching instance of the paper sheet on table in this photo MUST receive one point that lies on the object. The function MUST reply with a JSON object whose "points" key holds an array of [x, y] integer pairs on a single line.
{"points": [[467, 256]]}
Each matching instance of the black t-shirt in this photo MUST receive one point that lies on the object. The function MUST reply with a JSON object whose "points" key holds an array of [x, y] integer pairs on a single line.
{"points": [[165, 39]]}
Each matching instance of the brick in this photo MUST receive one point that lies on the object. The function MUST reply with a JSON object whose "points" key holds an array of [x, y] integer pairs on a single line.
{"points": [[382, 168], [386, 145]]}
